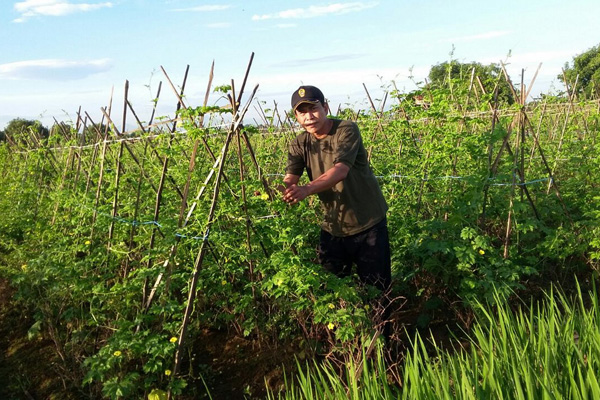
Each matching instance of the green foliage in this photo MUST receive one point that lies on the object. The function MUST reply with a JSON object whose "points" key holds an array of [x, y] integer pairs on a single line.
{"points": [[454, 74], [222, 89], [585, 71], [450, 190], [362, 379], [547, 350]]}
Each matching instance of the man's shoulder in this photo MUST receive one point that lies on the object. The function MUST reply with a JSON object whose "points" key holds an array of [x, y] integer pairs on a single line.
{"points": [[344, 128], [343, 123], [302, 136]]}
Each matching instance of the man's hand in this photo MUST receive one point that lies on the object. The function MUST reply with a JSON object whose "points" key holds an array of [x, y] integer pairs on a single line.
{"points": [[294, 193]]}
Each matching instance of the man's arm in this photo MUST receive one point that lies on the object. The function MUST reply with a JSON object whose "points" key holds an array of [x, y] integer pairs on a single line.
{"points": [[290, 179], [329, 179]]}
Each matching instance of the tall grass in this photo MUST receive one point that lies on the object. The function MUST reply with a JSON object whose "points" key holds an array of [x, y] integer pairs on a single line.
{"points": [[549, 349]]}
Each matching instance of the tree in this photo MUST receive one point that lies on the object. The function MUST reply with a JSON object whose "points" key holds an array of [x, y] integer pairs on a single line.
{"points": [[25, 131], [585, 69], [489, 75]]}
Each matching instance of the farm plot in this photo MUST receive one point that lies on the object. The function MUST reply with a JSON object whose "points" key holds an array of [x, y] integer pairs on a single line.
{"points": [[126, 246]]}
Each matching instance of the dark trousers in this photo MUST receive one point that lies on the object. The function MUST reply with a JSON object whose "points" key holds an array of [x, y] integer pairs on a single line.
{"points": [[369, 250]]}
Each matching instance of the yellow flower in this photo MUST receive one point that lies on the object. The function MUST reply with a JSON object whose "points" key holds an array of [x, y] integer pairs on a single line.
{"points": [[481, 252], [331, 326], [167, 372], [173, 340], [223, 282], [264, 196], [87, 242], [117, 353], [24, 267], [279, 282], [330, 305]]}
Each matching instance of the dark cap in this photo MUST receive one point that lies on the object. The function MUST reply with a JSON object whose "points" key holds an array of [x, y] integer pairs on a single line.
{"points": [[307, 94]]}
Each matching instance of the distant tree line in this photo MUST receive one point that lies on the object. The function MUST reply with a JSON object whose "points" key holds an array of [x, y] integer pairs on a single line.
{"points": [[24, 132], [20, 130], [489, 76]]}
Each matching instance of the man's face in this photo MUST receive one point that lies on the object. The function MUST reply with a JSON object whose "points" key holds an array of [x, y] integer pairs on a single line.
{"points": [[313, 118]]}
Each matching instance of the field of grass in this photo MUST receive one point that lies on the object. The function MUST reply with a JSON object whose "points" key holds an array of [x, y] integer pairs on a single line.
{"points": [[131, 255]]}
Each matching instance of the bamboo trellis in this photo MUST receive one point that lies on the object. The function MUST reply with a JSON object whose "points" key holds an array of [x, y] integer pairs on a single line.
{"points": [[110, 146]]}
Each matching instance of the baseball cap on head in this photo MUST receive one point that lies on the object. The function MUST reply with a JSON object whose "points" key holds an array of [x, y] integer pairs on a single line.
{"points": [[307, 94]]}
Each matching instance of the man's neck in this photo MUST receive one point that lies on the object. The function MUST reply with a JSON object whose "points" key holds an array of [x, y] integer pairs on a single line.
{"points": [[325, 131]]}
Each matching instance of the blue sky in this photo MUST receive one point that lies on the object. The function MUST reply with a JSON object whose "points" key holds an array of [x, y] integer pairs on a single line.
{"points": [[59, 55]]}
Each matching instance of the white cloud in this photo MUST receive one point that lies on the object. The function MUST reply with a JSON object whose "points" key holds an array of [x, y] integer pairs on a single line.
{"points": [[53, 69], [53, 8], [316, 11], [480, 36], [205, 8]]}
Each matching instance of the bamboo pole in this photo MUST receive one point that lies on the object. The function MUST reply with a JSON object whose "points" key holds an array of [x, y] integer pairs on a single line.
{"points": [[523, 186], [89, 182], [115, 203], [182, 104], [491, 170], [155, 103], [157, 205], [165, 167], [123, 144], [571, 95], [99, 187], [379, 125], [167, 265], [520, 150], [154, 151], [136, 210], [552, 181], [168, 260], [60, 187], [245, 210], [236, 124]]}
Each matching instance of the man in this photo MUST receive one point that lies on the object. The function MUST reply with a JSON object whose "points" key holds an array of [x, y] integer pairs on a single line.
{"points": [[354, 228]]}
